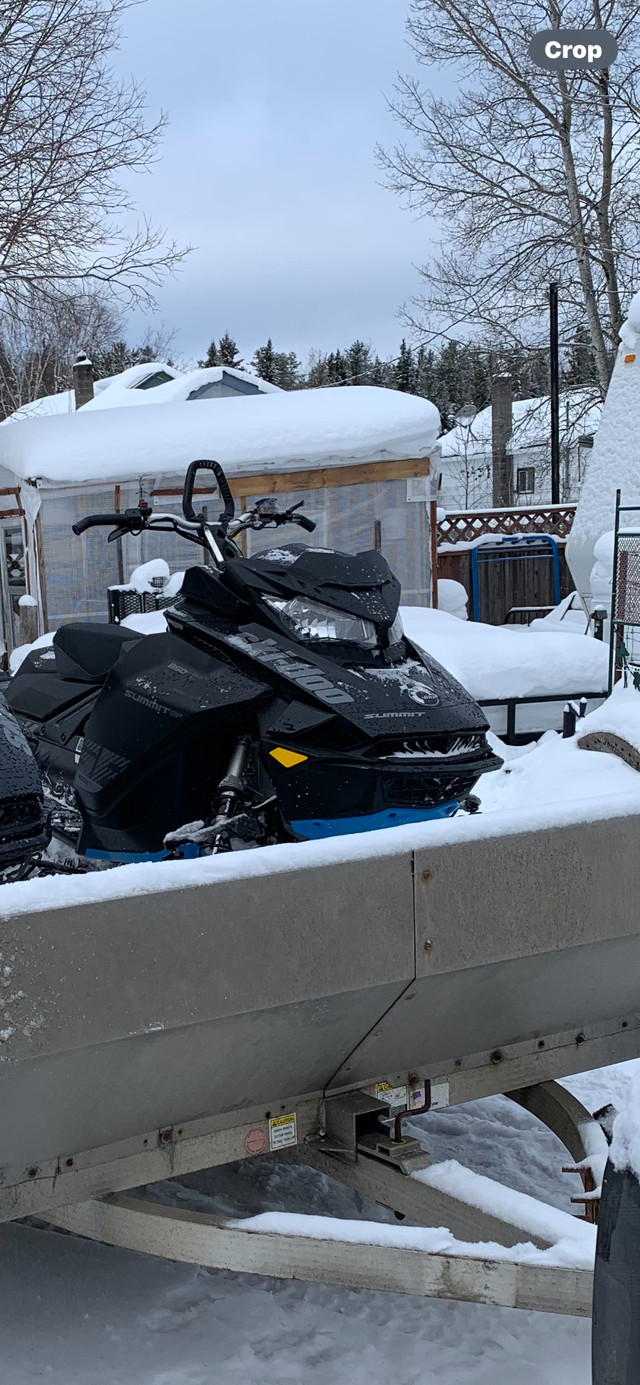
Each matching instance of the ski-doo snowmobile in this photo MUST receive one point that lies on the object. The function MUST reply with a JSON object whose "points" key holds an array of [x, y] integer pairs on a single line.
{"points": [[283, 703]]}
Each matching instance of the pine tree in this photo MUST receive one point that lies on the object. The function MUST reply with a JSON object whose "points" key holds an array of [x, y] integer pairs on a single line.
{"points": [[405, 375], [212, 357], [287, 370], [228, 352], [358, 363], [264, 363]]}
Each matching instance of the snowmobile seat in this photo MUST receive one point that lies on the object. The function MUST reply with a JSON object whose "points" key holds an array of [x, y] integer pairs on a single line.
{"points": [[87, 652]]}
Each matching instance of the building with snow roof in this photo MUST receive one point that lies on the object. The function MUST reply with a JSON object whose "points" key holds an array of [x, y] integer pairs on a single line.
{"points": [[465, 453], [357, 457]]}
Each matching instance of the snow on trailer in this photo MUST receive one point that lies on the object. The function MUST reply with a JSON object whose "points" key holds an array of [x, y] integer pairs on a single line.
{"points": [[303, 445], [482, 955]]}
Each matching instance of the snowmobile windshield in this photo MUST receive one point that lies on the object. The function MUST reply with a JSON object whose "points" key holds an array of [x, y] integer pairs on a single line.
{"points": [[313, 621]]}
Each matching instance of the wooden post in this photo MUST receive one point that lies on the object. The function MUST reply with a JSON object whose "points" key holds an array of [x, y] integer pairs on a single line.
{"points": [[117, 505], [82, 380], [42, 573], [501, 429], [28, 612]]}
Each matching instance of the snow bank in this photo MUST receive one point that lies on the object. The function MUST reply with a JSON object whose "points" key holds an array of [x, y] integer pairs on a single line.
{"points": [[619, 714], [614, 462], [452, 598], [275, 432], [497, 662], [625, 1147]]}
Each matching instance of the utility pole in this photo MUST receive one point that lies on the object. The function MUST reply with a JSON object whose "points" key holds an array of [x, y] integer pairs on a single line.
{"points": [[554, 393], [501, 430]]}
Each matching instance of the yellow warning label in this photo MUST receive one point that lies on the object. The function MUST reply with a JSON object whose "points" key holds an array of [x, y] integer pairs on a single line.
{"points": [[283, 1131]]}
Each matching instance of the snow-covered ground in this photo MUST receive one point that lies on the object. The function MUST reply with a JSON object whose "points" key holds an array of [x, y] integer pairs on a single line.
{"points": [[509, 661], [73, 1313]]}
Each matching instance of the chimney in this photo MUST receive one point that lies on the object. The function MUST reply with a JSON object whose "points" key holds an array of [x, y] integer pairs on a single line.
{"points": [[82, 380], [501, 429]]}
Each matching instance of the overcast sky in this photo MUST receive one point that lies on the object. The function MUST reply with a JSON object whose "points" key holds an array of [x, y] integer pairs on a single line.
{"points": [[268, 168]]}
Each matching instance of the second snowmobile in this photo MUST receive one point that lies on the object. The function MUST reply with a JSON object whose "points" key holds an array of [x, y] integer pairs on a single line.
{"points": [[283, 703]]}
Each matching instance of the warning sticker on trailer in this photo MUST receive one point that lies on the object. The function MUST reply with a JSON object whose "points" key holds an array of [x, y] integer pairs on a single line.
{"points": [[283, 1131], [439, 1095], [395, 1097]]}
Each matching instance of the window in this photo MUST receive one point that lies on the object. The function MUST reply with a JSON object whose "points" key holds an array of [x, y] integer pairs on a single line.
{"points": [[526, 480], [159, 377]]}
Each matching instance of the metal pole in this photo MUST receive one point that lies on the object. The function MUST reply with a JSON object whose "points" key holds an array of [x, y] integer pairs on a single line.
{"points": [[554, 390], [501, 431]]}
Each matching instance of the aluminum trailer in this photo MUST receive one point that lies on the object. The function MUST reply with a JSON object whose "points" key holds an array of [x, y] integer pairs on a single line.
{"points": [[288, 998]]}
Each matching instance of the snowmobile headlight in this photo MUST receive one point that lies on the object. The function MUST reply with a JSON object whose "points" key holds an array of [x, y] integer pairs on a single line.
{"points": [[312, 621]]}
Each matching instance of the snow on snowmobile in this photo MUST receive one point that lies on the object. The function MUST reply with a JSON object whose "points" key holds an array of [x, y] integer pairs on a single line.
{"points": [[284, 703]]}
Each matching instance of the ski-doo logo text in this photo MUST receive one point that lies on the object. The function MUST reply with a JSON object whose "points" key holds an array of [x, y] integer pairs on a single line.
{"points": [[305, 675], [573, 49]]}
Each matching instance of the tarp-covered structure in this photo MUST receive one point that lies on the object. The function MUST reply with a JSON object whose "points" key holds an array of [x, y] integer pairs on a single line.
{"points": [[357, 456]]}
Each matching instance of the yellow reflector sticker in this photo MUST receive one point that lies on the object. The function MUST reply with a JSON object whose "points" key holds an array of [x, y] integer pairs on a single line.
{"points": [[629, 358], [288, 758]]}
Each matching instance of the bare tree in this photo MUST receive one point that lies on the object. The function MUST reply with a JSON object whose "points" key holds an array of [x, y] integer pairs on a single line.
{"points": [[535, 174], [39, 346], [69, 130]]}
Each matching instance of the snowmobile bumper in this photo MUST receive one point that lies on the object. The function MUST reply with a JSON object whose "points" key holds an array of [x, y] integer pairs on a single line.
{"points": [[316, 829]]}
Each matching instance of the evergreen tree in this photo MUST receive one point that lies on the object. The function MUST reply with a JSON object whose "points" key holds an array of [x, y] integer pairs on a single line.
{"points": [[287, 370], [405, 374], [212, 357], [228, 352], [358, 363], [317, 371], [264, 363]]}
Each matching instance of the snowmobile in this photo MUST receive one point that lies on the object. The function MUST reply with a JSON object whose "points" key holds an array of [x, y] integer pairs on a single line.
{"points": [[283, 703]]}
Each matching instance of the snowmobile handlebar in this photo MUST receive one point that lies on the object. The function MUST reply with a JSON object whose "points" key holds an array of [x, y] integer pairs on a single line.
{"points": [[223, 486], [122, 518]]}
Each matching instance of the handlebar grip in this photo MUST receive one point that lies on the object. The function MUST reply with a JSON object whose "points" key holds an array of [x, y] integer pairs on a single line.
{"points": [[223, 487], [90, 521], [305, 523]]}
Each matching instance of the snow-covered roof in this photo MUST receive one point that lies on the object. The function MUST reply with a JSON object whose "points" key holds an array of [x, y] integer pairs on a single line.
{"points": [[579, 415], [119, 391], [126, 383], [280, 431], [180, 388]]}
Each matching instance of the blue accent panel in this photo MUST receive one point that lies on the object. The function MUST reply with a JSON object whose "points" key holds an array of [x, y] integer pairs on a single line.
{"points": [[316, 828], [188, 851]]}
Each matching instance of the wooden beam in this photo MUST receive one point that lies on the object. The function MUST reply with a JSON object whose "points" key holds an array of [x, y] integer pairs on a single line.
{"points": [[319, 478]]}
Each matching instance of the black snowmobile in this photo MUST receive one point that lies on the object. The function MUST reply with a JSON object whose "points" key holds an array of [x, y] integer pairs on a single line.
{"points": [[284, 703]]}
